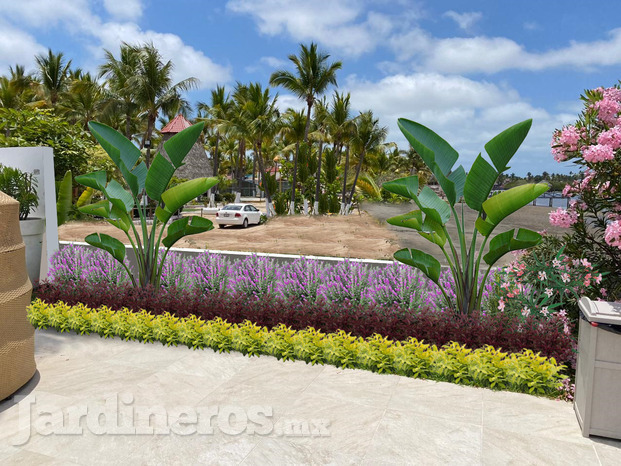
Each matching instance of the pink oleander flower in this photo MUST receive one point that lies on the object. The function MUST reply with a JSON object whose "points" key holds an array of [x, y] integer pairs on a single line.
{"points": [[544, 311], [565, 277], [542, 275], [598, 153], [613, 234], [501, 305], [612, 93], [598, 278], [603, 291], [586, 263], [569, 137], [556, 263], [611, 138], [563, 218], [549, 292], [525, 312], [607, 110]]}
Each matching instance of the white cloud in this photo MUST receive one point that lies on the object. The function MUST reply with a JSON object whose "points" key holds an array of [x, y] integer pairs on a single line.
{"points": [[466, 112], [465, 21], [342, 25], [274, 62], [17, 47], [493, 54], [187, 60], [45, 14], [77, 18], [124, 9]]}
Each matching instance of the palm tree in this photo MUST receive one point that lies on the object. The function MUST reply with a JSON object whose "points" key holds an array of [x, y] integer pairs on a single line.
{"points": [[153, 90], [118, 74], [314, 76], [368, 136], [263, 121], [320, 133], [217, 112], [53, 73], [83, 101], [294, 124]]}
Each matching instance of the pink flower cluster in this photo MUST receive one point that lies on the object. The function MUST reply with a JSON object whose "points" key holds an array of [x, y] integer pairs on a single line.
{"points": [[563, 218], [565, 141], [613, 234], [598, 153]]}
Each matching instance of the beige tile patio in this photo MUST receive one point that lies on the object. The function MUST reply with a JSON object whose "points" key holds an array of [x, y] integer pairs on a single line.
{"points": [[404, 437]]}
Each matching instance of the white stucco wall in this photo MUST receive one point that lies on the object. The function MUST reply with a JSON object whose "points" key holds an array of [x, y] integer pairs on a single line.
{"points": [[40, 161]]}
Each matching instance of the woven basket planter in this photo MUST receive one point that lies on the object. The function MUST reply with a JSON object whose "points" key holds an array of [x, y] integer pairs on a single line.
{"points": [[17, 363]]}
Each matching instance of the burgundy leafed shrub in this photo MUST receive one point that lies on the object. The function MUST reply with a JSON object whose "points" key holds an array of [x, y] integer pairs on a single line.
{"points": [[512, 334]]}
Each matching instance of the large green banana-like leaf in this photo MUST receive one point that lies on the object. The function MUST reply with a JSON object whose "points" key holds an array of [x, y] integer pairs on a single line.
{"points": [[97, 209], [63, 203], [479, 183], [158, 177], [109, 212], [442, 153], [406, 187], [503, 147], [96, 180], [180, 144], [437, 154], [140, 172], [176, 197], [500, 206], [430, 203], [505, 242], [107, 243], [428, 229], [119, 196], [121, 150], [458, 177], [433, 231], [128, 152], [413, 220], [426, 263], [186, 226]]}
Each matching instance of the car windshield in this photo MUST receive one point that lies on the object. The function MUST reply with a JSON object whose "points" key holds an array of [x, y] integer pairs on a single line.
{"points": [[232, 207]]}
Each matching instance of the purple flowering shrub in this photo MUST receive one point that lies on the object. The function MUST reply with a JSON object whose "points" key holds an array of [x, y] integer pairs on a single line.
{"points": [[209, 273], [301, 279], [82, 264], [253, 276], [395, 301]]}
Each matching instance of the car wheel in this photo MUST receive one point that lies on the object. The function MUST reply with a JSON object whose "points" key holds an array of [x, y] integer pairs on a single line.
{"points": [[220, 226], [246, 222]]}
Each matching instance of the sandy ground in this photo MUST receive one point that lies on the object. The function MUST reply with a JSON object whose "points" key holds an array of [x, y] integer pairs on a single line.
{"points": [[365, 235]]}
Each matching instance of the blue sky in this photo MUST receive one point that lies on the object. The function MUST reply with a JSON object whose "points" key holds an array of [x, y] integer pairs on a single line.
{"points": [[467, 70]]}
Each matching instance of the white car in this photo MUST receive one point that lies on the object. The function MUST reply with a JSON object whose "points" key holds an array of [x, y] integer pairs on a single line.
{"points": [[238, 214]]}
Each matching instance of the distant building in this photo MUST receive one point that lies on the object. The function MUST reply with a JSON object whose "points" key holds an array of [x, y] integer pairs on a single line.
{"points": [[196, 163]]}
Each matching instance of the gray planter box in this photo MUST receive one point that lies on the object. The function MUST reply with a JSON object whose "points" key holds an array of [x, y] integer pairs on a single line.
{"points": [[598, 375]]}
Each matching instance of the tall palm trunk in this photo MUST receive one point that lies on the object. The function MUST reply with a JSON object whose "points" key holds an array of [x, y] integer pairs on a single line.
{"points": [[295, 178], [344, 196], [318, 183], [309, 102], [258, 155], [128, 127], [216, 162], [353, 188]]}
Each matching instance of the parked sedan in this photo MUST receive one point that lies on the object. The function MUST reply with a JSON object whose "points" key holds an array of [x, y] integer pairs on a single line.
{"points": [[238, 214]]}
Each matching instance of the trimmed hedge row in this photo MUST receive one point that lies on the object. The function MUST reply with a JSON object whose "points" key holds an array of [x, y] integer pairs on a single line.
{"points": [[525, 372], [502, 331]]}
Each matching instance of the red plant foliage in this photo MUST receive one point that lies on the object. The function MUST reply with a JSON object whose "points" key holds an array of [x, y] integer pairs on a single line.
{"points": [[475, 330]]}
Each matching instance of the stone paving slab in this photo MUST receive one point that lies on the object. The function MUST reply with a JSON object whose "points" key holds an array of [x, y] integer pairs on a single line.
{"points": [[96, 401]]}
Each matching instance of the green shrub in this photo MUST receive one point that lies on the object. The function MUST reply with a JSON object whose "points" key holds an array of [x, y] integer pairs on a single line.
{"points": [[525, 372]]}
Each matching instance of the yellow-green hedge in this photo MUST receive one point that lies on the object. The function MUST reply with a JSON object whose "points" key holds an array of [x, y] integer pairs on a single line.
{"points": [[485, 367]]}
